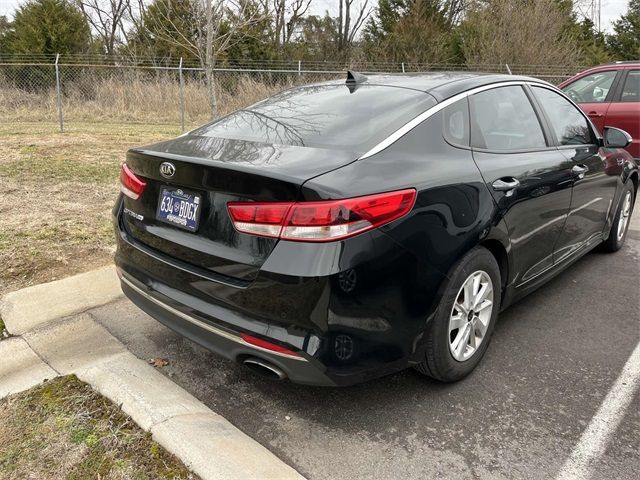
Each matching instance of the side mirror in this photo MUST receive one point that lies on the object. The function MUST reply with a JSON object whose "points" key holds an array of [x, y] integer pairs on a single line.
{"points": [[616, 138]]}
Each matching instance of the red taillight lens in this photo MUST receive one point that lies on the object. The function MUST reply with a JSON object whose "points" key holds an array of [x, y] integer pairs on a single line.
{"points": [[130, 185], [259, 218], [334, 219], [257, 342], [321, 221]]}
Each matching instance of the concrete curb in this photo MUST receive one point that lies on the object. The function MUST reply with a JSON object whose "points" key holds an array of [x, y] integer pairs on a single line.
{"points": [[31, 307], [20, 367], [50, 346]]}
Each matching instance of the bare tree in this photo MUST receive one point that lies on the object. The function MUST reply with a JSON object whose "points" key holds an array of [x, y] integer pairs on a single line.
{"points": [[217, 41], [348, 25], [286, 15], [166, 24], [207, 39], [297, 10], [106, 19], [454, 10]]}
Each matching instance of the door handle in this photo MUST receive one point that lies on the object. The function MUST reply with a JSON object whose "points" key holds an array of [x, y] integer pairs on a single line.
{"points": [[505, 184], [579, 170], [595, 114]]}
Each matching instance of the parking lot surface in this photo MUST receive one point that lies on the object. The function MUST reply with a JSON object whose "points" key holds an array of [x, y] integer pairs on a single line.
{"points": [[554, 358]]}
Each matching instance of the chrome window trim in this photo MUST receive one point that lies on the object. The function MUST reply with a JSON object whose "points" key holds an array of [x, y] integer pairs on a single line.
{"points": [[407, 127], [204, 325]]}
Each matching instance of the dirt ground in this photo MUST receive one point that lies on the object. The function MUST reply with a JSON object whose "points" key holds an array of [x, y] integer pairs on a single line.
{"points": [[56, 195], [64, 429]]}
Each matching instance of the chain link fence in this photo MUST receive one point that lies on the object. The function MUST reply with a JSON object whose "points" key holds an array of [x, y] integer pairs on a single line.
{"points": [[119, 90]]}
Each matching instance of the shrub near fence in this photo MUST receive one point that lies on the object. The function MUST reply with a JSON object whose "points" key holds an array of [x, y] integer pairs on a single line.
{"points": [[121, 92]]}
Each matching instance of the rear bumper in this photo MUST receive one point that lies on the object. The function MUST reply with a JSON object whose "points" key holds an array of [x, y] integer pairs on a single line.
{"points": [[229, 344]]}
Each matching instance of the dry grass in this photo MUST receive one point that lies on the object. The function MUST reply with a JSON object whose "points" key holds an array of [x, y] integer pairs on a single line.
{"points": [[56, 197], [64, 429], [58, 189], [155, 101]]}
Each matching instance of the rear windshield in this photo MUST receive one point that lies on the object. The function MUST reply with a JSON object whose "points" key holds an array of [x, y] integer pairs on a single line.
{"points": [[325, 116]]}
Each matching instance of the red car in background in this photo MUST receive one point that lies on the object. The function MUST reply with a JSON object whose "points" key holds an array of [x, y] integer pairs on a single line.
{"points": [[610, 95]]}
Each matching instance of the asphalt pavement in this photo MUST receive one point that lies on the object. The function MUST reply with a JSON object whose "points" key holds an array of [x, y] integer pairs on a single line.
{"points": [[555, 357]]}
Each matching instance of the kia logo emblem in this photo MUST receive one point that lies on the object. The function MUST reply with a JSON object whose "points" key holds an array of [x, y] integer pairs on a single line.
{"points": [[167, 169]]}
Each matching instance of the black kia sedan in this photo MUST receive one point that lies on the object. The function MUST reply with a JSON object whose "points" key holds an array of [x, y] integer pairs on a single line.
{"points": [[341, 231]]}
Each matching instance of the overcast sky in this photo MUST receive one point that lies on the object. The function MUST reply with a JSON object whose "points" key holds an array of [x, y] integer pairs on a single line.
{"points": [[611, 9]]}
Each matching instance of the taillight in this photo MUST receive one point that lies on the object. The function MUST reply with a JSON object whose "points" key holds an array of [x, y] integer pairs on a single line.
{"points": [[322, 221], [264, 219], [130, 185]]}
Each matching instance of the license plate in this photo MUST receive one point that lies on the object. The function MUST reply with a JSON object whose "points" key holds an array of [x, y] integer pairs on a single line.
{"points": [[179, 208]]}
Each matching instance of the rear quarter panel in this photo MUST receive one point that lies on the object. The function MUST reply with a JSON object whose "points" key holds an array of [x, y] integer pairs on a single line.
{"points": [[454, 212]]}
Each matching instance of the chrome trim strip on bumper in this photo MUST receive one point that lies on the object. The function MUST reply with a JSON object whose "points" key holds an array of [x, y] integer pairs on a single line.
{"points": [[204, 325]]}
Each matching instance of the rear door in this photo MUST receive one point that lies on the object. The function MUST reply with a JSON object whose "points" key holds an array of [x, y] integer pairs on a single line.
{"points": [[593, 187], [624, 111], [529, 178], [594, 92]]}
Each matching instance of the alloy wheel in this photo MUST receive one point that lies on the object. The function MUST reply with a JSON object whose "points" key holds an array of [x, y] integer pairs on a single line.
{"points": [[625, 214], [470, 315]]}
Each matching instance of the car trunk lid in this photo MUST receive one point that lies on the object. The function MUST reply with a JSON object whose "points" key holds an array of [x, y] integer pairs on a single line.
{"points": [[218, 171]]}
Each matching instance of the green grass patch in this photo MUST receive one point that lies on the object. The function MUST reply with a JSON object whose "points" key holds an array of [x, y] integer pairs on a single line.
{"points": [[64, 429], [67, 183], [38, 164]]}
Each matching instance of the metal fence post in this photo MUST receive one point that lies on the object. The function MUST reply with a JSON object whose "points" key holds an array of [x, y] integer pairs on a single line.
{"points": [[59, 93], [299, 67], [402, 67], [181, 94]]}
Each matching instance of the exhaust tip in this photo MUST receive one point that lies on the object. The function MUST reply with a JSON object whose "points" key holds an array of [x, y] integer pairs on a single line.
{"points": [[264, 368]]}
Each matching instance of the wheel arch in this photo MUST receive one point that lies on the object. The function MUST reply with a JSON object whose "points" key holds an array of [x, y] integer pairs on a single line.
{"points": [[633, 176], [631, 172], [499, 251]]}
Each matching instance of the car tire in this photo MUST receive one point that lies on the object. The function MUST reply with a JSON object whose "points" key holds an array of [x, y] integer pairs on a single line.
{"points": [[620, 225], [448, 357]]}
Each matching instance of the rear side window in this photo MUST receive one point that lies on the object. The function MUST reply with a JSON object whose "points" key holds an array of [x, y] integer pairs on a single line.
{"points": [[631, 90], [326, 116], [592, 88], [568, 124], [456, 123], [503, 119]]}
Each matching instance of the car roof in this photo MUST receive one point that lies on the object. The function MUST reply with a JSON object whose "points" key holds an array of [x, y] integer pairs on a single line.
{"points": [[609, 66], [440, 85], [622, 65]]}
